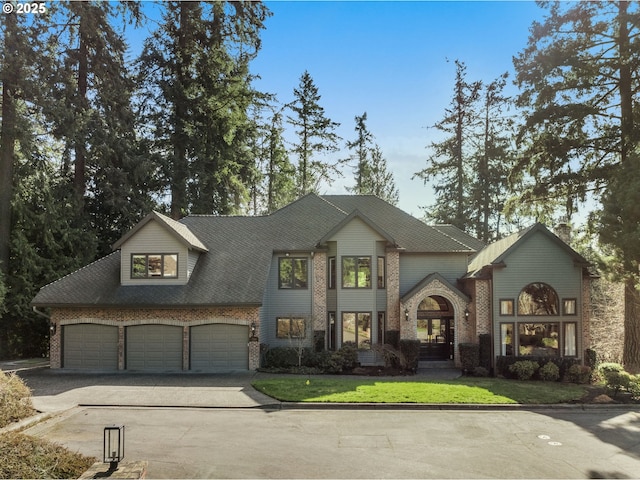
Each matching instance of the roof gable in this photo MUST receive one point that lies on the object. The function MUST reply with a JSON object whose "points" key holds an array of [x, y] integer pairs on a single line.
{"points": [[348, 219], [178, 230], [495, 254]]}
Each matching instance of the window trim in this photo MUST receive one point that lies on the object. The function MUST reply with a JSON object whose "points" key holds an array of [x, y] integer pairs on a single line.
{"points": [[331, 271], [356, 258], [293, 273], [146, 276], [381, 275], [575, 306], [357, 341], [513, 309], [290, 320], [504, 344], [565, 336], [538, 315]]}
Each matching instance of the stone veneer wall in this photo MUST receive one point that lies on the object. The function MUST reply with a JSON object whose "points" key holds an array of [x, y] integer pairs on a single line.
{"points": [[319, 291], [482, 306], [185, 317], [393, 290]]}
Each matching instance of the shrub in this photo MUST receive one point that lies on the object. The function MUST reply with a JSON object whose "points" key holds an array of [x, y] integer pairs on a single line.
{"points": [[392, 337], [550, 372], [524, 369], [579, 374], [411, 351], [617, 381], [480, 372], [392, 356], [591, 358], [281, 357], [15, 399], [634, 386], [485, 350], [469, 357], [346, 358]]}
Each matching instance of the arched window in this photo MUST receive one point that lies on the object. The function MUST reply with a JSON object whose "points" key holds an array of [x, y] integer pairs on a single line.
{"points": [[538, 299]]}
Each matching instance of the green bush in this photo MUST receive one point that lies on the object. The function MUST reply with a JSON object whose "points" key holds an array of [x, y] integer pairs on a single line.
{"points": [[579, 374], [634, 386], [469, 357], [550, 372], [484, 342], [410, 349], [280, 357], [524, 369], [480, 372], [618, 381], [15, 399], [591, 358], [346, 358]]}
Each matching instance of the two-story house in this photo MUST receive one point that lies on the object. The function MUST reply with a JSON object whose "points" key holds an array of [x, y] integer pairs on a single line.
{"points": [[202, 293]]}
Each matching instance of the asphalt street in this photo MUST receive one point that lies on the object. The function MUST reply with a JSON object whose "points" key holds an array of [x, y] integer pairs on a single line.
{"points": [[217, 426], [353, 443]]}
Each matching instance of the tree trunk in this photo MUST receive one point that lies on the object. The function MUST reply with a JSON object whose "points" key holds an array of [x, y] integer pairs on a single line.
{"points": [[631, 352], [79, 182]]}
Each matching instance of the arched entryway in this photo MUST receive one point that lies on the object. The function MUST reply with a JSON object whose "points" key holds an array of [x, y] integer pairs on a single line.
{"points": [[436, 328]]}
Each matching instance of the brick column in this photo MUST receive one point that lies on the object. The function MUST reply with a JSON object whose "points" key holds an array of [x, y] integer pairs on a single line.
{"points": [[55, 346], [186, 347], [586, 317], [319, 299], [121, 348], [254, 354], [393, 290]]}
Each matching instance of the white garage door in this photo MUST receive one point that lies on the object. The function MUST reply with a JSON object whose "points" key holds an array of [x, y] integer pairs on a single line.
{"points": [[154, 347], [219, 347], [90, 346]]}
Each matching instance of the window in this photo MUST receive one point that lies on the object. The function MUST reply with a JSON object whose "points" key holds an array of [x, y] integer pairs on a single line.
{"points": [[506, 339], [332, 272], [382, 327], [538, 339], [163, 265], [569, 306], [356, 272], [381, 275], [356, 328], [538, 299], [506, 307], [292, 273], [290, 327], [570, 347]]}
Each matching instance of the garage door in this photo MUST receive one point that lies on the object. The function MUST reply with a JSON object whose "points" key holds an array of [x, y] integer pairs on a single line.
{"points": [[219, 347], [90, 346], [154, 347]]}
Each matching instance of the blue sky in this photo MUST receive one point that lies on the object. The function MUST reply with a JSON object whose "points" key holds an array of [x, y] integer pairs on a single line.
{"points": [[393, 60]]}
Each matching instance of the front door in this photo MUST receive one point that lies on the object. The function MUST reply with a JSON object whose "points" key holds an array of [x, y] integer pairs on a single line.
{"points": [[436, 338]]}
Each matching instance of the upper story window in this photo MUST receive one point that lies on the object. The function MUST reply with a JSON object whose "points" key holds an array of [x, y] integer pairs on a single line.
{"points": [[292, 273], [356, 272], [332, 272], [538, 299], [381, 275], [148, 265]]}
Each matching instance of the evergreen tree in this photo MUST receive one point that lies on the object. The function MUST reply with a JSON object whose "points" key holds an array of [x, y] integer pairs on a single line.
{"points": [[493, 162], [449, 164], [371, 172], [316, 135], [280, 172], [198, 94], [361, 147], [578, 86]]}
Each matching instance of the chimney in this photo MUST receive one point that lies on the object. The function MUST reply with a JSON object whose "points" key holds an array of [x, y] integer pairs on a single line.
{"points": [[563, 231]]}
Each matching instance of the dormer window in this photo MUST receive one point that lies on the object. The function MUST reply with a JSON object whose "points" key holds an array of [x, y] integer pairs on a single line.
{"points": [[152, 265]]}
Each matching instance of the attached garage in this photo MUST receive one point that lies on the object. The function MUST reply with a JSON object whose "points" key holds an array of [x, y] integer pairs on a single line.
{"points": [[153, 347], [90, 346], [219, 347]]}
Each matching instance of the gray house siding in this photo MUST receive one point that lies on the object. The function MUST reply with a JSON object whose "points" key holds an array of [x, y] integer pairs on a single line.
{"points": [[283, 302], [414, 267], [538, 259]]}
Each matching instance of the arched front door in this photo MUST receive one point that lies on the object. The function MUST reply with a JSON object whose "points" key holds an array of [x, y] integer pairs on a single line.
{"points": [[435, 328]]}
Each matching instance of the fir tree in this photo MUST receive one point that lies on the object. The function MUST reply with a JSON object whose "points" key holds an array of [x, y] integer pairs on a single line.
{"points": [[316, 135]]}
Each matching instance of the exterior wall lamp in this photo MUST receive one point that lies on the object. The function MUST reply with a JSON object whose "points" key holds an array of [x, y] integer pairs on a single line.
{"points": [[466, 314], [52, 328], [253, 329], [113, 446], [406, 314]]}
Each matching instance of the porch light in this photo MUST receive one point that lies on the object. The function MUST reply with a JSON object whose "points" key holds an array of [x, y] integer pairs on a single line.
{"points": [[113, 447], [253, 329], [406, 314], [466, 313], [52, 328]]}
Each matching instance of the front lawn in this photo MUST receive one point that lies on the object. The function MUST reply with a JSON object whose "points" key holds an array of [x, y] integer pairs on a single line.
{"points": [[463, 390]]}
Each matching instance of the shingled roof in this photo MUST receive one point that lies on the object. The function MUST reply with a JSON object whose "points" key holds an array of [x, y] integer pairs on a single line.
{"points": [[237, 251]]}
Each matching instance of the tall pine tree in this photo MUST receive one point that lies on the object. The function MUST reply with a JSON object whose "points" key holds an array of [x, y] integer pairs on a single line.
{"points": [[315, 135], [578, 83]]}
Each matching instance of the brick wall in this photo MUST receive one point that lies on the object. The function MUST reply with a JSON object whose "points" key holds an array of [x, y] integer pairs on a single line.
{"points": [[393, 289], [184, 317]]}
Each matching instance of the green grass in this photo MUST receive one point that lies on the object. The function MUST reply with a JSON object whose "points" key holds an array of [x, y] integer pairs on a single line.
{"points": [[464, 390]]}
